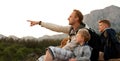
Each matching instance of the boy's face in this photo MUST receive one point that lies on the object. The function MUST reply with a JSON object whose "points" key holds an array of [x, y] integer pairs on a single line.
{"points": [[102, 26], [79, 38]]}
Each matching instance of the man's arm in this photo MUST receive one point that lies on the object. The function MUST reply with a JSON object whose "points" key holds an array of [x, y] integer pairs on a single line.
{"points": [[53, 27]]}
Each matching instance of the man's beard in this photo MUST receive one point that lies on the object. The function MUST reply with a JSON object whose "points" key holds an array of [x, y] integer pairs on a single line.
{"points": [[71, 23]]}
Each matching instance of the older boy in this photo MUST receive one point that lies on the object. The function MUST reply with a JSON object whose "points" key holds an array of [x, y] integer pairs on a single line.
{"points": [[108, 39]]}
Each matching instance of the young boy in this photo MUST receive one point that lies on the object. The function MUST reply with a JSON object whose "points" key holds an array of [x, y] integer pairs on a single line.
{"points": [[77, 50]]}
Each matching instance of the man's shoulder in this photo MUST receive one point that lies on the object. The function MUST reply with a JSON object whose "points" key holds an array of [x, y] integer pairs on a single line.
{"points": [[110, 31]]}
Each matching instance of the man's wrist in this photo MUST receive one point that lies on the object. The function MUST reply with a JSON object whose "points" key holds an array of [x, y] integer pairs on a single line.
{"points": [[40, 22]]}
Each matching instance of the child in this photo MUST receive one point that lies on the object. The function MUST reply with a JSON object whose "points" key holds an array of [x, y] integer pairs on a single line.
{"points": [[77, 50]]}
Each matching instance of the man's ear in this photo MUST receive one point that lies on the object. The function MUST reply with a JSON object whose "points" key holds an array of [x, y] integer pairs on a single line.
{"points": [[77, 18]]}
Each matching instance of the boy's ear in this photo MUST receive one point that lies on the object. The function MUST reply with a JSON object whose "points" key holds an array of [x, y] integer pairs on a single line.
{"points": [[106, 25]]}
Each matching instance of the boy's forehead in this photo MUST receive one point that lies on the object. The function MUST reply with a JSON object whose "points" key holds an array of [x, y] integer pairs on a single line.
{"points": [[102, 23], [78, 34]]}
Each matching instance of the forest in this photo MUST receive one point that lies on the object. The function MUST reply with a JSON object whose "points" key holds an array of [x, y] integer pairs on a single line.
{"points": [[26, 50], [22, 50]]}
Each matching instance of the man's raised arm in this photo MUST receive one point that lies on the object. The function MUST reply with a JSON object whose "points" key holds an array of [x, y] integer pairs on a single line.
{"points": [[53, 27]]}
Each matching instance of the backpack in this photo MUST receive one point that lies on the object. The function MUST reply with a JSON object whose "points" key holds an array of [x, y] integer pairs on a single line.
{"points": [[94, 42]]}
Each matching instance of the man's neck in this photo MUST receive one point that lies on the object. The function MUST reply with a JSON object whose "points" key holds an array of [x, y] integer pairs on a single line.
{"points": [[106, 28], [75, 26]]}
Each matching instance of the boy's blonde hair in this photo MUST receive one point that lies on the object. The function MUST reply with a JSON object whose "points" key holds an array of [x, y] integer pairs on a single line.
{"points": [[84, 33]]}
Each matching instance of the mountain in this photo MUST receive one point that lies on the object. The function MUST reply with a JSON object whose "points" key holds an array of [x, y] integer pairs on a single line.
{"points": [[45, 37], [111, 13], [53, 37], [13, 37], [26, 38], [31, 38], [2, 36]]}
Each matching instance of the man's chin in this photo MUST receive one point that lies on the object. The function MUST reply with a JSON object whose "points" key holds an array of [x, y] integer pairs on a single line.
{"points": [[70, 24]]}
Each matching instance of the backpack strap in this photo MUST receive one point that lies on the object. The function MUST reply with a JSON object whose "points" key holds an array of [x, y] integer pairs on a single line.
{"points": [[73, 32], [82, 25]]}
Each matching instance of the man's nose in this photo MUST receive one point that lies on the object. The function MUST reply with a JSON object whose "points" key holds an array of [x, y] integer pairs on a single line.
{"points": [[68, 19]]}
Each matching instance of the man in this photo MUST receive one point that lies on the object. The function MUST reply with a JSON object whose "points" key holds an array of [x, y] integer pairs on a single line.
{"points": [[75, 22], [108, 40]]}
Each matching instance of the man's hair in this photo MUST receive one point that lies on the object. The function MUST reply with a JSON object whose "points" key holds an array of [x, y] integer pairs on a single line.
{"points": [[79, 15], [84, 33], [105, 21]]}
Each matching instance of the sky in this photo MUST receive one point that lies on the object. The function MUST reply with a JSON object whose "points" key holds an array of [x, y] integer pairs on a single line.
{"points": [[15, 13]]}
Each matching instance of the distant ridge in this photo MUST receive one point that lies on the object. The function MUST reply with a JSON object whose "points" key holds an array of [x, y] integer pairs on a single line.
{"points": [[45, 37]]}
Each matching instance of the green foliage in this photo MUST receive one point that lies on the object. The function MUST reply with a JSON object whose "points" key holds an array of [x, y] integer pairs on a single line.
{"points": [[118, 33], [23, 50], [118, 36]]}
